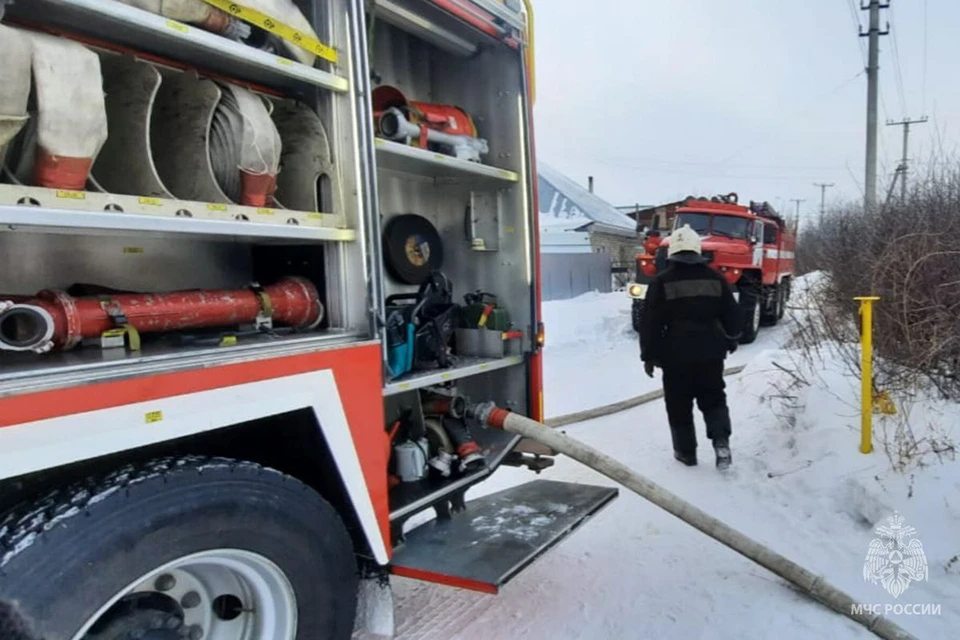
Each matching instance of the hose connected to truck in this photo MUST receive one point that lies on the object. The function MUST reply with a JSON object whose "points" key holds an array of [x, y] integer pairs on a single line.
{"points": [[490, 415], [55, 320]]}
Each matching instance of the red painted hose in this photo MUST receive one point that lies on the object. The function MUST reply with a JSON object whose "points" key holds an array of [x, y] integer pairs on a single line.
{"points": [[55, 320]]}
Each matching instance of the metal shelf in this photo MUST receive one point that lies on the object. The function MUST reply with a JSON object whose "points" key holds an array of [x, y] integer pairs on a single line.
{"points": [[35, 219], [467, 367], [404, 158], [29, 373], [121, 24]]}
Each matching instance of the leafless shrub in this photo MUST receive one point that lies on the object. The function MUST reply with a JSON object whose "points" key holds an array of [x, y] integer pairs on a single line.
{"points": [[908, 253]]}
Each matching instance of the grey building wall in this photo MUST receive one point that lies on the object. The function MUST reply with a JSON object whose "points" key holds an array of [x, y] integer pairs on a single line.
{"points": [[568, 275]]}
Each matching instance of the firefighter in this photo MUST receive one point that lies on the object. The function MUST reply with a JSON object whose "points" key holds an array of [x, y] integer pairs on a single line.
{"points": [[691, 321]]}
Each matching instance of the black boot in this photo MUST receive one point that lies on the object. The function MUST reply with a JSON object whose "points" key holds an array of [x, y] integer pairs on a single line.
{"points": [[722, 448], [689, 459]]}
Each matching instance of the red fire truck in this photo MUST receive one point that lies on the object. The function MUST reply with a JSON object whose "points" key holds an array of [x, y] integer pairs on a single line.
{"points": [[752, 246], [257, 259]]}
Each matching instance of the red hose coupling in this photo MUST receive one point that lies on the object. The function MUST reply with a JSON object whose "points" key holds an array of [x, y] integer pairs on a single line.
{"points": [[468, 448], [497, 417]]}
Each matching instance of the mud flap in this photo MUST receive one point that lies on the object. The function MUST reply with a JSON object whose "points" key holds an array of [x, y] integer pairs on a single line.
{"points": [[498, 535], [375, 614]]}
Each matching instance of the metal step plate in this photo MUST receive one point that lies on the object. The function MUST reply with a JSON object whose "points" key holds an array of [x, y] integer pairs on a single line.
{"points": [[498, 535]]}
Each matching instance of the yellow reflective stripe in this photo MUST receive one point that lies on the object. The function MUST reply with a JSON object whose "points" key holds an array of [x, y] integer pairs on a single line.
{"points": [[277, 28]]}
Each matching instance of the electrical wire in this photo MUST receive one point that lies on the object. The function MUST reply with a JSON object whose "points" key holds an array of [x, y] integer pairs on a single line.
{"points": [[926, 24], [795, 115], [897, 65], [856, 20]]}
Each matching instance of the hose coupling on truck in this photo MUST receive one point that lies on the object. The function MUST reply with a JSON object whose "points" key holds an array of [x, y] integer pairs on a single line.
{"points": [[487, 414]]}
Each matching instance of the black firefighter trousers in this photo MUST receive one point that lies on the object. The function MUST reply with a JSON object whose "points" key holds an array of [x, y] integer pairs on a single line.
{"points": [[701, 381]]}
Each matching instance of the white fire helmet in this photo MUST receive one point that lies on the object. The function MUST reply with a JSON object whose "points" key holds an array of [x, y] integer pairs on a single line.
{"points": [[684, 245]]}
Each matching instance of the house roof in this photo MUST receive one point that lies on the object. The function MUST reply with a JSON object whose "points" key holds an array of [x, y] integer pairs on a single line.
{"points": [[561, 197]]}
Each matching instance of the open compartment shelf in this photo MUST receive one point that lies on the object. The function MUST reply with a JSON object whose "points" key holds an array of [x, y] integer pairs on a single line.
{"points": [[71, 299], [409, 498], [163, 220], [27, 372], [466, 367], [403, 158], [128, 26]]}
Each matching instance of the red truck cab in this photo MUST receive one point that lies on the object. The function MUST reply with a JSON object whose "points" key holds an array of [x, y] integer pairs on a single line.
{"points": [[751, 246]]}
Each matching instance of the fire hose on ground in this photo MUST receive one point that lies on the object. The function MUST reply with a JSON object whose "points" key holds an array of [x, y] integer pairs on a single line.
{"points": [[55, 320], [489, 414]]}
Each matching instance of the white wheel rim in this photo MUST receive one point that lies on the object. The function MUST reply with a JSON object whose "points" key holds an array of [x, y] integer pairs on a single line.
{"points": [[756, 316], [224, 594]]}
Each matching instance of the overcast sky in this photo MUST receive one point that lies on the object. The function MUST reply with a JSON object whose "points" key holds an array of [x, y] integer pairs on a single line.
{"points": [[659, 99]]}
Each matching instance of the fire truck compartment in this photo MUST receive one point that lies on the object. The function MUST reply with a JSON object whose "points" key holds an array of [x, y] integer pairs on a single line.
{"points": [[478, 208], [499, 535]]}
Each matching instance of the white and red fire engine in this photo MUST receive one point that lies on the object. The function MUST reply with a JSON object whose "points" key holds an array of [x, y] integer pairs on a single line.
{"points": [[257, 259]]}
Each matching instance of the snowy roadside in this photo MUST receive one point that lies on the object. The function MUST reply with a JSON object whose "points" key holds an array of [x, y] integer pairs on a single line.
{"points": [[799, 485], [592, 347]]}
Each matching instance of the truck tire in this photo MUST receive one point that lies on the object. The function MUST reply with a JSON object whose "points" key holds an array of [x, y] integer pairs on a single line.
{"points": [[784, 298], [636, 314], [751, 312], [184, 548], [772, 316]]}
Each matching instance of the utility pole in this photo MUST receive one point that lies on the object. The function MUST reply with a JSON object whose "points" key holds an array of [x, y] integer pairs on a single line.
{"points": [[873, 67], [797, 201], [902, 169], [823, 196]]}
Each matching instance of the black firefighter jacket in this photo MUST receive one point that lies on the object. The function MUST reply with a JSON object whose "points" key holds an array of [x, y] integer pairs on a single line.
{"points": [[689, 315]]}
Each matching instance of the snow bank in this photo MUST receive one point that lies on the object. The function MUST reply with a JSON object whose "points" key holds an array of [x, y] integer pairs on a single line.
{"points": [[597, 321]]}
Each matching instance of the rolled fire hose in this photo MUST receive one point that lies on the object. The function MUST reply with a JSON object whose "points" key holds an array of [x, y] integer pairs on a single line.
{"points": [[71, 122], [811, 584], [55, 320], [16, 53], [288, 13], [244, 147], [195, 12], [209, 18]]}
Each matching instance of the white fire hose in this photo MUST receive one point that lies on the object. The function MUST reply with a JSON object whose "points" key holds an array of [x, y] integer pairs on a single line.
{"points": [[490, 415]]}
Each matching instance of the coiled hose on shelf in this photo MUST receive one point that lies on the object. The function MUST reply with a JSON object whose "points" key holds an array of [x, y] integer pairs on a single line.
{"points": [[226, 138]]}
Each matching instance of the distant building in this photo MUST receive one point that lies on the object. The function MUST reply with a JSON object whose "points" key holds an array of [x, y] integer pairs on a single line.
{"points": [[585, 243], [659, 216], [575, 220]]}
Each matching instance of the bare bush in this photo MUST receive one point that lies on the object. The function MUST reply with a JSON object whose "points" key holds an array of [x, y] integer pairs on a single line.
{"points": [[908, 253]]}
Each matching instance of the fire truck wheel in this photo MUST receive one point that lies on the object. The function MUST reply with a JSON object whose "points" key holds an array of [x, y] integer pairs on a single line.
{"points": [[636, 314], [751, 312], [772, 316], [181, 548]]}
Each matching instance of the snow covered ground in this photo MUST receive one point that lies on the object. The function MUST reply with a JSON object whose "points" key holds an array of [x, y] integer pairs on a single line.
{"points": [[798, 484]]}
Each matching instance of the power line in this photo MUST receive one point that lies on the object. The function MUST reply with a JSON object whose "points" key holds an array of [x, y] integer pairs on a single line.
{"points": [[856, 21], [792, 116], [926, 23], [897, 66]]}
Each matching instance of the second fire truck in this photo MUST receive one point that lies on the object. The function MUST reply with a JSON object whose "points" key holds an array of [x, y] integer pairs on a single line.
{"points": [[750, 245]]}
